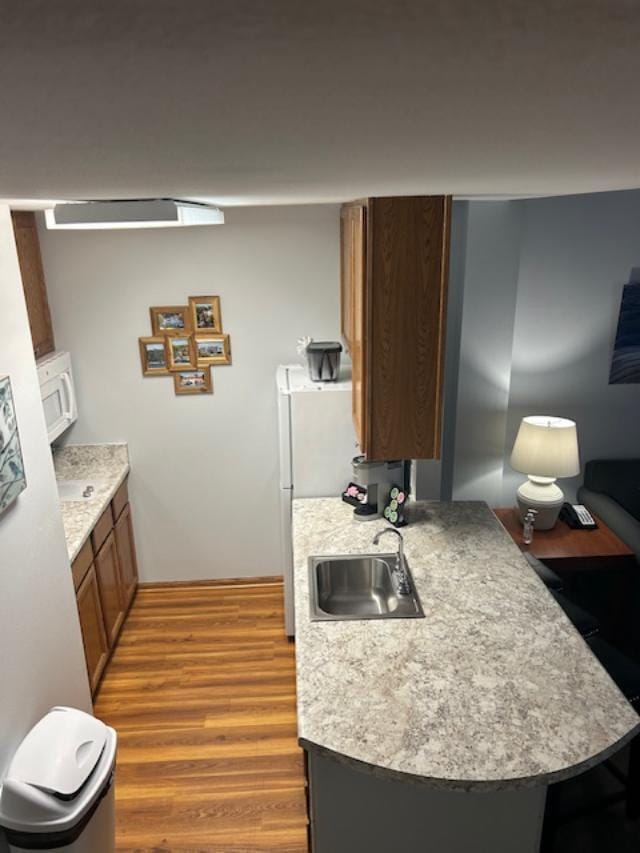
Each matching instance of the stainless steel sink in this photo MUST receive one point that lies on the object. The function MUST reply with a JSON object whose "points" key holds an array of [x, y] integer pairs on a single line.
{"points": [[77, 491], [359, 586]]}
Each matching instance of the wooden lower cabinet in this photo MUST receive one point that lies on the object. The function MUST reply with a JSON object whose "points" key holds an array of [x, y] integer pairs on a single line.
{"points": [[94, 637], [110, 586], [105, 576], [126, 556]]}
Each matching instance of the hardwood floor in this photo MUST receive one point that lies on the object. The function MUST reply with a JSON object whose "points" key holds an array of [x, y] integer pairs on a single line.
{"points": [[201, 690]]}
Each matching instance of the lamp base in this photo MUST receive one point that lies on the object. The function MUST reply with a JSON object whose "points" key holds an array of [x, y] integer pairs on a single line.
{"points": [[543, 495]]}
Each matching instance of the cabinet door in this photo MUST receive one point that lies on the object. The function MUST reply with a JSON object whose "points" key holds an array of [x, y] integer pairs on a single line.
{"points": [[110, 585], [35, 291], [346, 276], [126, 556], [96, 647], [358, 351], [405, 305]]}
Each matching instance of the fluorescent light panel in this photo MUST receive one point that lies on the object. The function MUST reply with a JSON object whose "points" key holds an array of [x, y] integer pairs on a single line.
{"points": [[133, 213]]}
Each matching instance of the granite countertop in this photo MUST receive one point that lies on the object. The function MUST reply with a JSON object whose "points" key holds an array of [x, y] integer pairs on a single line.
{"points": [[107, 463], [493, 689]]}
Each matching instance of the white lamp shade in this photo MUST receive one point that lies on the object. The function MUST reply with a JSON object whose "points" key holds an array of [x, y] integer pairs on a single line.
{"points": [[546, 447]]}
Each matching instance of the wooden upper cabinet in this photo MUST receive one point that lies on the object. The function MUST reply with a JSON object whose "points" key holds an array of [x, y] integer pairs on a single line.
{"points": [[35, 291], [394, 290]]}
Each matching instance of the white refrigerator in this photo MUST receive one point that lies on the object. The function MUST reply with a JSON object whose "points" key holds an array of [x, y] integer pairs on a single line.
{"points": [[317, 444]]}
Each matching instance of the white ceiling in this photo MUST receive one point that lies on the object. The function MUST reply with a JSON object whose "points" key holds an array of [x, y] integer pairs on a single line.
{"points": [[248, 102]]}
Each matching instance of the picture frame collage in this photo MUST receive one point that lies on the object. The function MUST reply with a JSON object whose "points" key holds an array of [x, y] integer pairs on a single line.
{"points": [[186, 341]]}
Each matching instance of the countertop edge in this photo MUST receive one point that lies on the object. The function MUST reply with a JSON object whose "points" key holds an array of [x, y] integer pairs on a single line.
{"points": [[539, 773], [470, 785]]}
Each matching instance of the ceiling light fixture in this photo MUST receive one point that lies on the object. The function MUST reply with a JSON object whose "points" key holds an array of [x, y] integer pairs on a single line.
{"points": [[132, 213]]}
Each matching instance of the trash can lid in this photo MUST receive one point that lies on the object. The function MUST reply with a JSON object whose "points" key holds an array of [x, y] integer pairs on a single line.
{"points": [[60, 752]]}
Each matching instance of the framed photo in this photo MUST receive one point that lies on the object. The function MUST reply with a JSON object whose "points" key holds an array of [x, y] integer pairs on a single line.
{"points": [[213, 349], [181, 352], [205, 314], [12, 476], [170, 320], [625, 365], [153, 355], [193, 381]]}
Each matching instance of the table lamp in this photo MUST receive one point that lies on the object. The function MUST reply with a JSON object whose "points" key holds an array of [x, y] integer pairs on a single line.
{"points": [[545, 448]]}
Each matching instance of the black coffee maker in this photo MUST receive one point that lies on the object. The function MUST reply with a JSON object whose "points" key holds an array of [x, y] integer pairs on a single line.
{"points": [[323, 359]]}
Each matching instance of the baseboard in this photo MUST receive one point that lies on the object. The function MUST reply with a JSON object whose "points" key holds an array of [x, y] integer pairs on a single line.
{"points": [[269, 580]]}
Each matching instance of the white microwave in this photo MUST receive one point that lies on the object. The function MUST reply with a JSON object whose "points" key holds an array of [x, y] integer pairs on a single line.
{"points": [[57, 393]]}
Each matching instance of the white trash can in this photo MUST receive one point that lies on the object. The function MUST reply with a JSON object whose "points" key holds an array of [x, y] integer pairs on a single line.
{"points": [[58, 792]]}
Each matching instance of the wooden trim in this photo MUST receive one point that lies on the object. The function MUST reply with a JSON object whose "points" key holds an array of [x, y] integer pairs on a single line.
{"points": [[214, 301], [27, 242], [367, 325], [444, 291], [102, 529], [206, 388], [205, 361], [268, 580], [159, 331], [172, 365], [82, 563], [153, 371], [345, 290], [120, 500]]}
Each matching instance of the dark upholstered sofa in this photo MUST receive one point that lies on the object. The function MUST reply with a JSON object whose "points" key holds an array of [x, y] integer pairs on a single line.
{"points": [[612, 490]]}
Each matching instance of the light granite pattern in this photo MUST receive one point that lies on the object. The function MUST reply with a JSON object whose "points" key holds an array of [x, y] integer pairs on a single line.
{"points": [[493, 689], [108, 463]]}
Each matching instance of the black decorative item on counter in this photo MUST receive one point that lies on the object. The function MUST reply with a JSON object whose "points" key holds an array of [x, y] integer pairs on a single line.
{"points": [[394, 510], [354, 494]]}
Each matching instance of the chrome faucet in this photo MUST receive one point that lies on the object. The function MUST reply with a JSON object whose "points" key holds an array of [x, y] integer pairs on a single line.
{"points": [[400, 575]]}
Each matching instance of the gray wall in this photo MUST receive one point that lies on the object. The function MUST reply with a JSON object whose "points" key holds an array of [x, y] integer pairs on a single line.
{"points": [[204, 481], [542, 287], [41, 655], [484, 376], [577, 253]]}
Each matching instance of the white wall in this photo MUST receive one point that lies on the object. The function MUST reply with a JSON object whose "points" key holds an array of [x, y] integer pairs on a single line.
{"points": [[204, 482], [41, 656]]}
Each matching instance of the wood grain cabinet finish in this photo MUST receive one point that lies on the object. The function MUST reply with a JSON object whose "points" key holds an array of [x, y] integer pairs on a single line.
{"points": [[119, 501], [102, 528], [110, 586], [105, 577], [125, 544], [394, 268], [33, 283], [81, 564], [94, 637]]}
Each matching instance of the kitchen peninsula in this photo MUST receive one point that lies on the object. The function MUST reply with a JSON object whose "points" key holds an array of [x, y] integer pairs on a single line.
{"points": [[443, 733]]}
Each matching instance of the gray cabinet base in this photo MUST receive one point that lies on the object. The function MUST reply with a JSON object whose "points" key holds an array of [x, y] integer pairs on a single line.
{"points": [[352, 811]]}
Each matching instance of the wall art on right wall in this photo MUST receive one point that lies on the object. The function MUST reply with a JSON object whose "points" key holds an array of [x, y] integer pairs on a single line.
{"points": [[12, 478], [625, 364]]}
